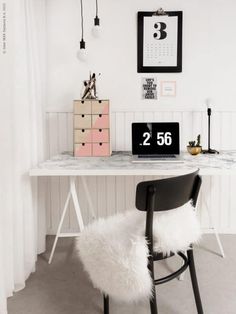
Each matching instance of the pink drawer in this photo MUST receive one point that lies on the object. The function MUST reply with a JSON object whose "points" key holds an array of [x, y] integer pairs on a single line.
{"points": [[100, 107], [101, 149], [100, 135], [100, 121], [83, 150], [83, 136], [82, 107], [82, 121]]}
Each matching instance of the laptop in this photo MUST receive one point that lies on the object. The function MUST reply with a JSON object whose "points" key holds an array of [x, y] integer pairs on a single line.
{"points": [[156, 142]]}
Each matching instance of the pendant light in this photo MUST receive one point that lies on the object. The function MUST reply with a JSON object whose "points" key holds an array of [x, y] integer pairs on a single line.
{"points": [[96, 27], [82, 52]]}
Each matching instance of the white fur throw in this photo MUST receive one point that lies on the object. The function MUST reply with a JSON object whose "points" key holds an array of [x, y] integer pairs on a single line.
{"points": [[114, 250]]}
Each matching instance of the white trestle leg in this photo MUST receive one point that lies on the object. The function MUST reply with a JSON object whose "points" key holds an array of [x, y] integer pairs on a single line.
{"points": [[71, 194]]}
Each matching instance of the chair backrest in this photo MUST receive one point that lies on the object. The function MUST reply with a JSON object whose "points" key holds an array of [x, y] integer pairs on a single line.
{"points": [[166, 194]]}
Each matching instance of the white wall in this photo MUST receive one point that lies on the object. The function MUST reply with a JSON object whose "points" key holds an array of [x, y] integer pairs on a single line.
{"points": [[209, 50], [209, 70]]}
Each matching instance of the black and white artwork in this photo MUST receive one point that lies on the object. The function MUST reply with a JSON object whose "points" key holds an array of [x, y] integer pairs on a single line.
{"points": [[160, 42], [149, 88]]}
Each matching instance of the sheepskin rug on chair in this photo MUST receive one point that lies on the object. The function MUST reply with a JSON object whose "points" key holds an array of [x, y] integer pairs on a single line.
{"points": [[114, 251]]}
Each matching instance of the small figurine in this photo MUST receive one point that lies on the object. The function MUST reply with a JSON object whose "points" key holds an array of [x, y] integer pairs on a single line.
{"points": [[90, 87]]}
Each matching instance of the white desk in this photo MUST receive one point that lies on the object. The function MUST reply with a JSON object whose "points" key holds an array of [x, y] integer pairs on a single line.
{"points": [[119, 164]]}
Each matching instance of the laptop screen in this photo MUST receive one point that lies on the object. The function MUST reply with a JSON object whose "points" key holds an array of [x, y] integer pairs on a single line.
{"points": [[155, 138]]}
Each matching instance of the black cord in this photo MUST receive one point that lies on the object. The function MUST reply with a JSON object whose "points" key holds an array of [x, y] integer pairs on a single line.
{"points": [[96, 8], [82, 18]]}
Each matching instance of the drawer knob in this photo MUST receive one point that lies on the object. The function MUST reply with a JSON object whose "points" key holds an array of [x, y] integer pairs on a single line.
{"points": [[83, 144], [82, 101], [82, 115], [82, 130], [100, 144], [100, 130], [100, 101], [100, 116]]}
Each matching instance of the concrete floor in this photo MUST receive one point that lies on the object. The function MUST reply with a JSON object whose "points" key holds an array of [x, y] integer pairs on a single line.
{"points": [[64, 288]]}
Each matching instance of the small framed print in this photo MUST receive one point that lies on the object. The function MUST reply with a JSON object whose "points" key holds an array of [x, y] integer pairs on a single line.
{"points": [[149, 88], [168, 88], [160, 42]]}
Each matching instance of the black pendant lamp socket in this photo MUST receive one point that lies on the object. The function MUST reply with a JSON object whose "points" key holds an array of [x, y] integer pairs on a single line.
{"points": [[96, 20], [96, 30], [96, 27], [81, 55], [82, 42]]}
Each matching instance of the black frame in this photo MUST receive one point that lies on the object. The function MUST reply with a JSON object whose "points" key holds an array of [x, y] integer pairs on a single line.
{"points": [[158, 69]]}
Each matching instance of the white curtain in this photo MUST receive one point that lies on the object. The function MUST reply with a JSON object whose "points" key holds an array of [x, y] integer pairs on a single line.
{"points": [[22, 100]]}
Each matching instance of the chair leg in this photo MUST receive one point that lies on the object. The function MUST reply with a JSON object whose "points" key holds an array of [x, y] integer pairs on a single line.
{"points": [[181, 276], [106, 303], [194, 282], [153, 302]]}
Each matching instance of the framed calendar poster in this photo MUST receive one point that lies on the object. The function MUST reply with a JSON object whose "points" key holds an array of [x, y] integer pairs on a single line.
{"points": [[160, 42]]}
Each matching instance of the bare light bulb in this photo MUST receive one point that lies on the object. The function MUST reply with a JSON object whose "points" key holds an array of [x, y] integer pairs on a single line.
{"points": [[81, 54], [96, 30]]}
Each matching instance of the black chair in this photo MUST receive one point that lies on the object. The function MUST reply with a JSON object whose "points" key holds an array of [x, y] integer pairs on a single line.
{"points": [[162, 195]]}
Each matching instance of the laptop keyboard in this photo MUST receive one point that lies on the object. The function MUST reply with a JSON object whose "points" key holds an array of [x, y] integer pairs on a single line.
{"points": [[157, 156]]}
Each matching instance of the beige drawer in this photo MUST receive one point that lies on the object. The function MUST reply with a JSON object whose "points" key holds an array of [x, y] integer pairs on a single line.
{"points": [[100, 107], [82, 107], [82, 136], [82, 121]]}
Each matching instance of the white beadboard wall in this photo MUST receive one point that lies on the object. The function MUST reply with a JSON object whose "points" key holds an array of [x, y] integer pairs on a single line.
{"points": [[114, 194]]}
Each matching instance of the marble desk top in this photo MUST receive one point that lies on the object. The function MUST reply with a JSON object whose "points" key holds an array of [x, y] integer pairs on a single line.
{"points": [[120, 164]]}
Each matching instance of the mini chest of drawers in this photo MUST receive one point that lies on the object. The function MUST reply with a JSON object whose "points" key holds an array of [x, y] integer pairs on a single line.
{"points": [[91, 128]]}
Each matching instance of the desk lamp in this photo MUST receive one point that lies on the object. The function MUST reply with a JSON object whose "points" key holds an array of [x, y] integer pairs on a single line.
{"points": [[209, 150]]}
